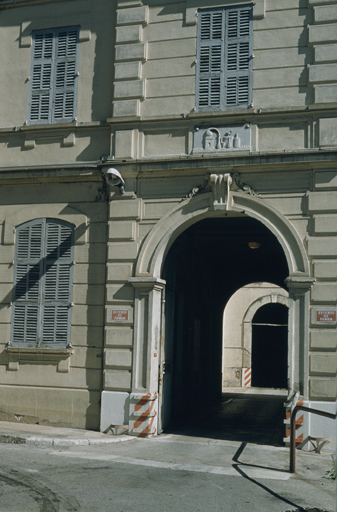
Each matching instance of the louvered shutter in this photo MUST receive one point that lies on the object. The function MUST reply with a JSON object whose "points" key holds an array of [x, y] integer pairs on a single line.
{"points": [[65, 75], [57, 284], [210, 80], [41, 77], [28, 270], [238, 57], [53, 76], [224, 49], [42, 284]]}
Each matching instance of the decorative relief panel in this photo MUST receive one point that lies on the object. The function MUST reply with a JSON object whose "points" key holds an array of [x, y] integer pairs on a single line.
{"points": [[222, 139]]}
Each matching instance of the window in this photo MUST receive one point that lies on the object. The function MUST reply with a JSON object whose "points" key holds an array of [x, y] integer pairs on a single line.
{"points": [[42, 284], [224, 58], [53, 76]]}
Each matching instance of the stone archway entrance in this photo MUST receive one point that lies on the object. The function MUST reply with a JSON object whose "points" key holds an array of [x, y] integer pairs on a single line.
{"points": [[206, 263], [220, 202]]}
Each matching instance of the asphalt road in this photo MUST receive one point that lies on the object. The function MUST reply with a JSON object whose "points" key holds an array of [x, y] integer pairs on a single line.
{"points": [[164, 474]]}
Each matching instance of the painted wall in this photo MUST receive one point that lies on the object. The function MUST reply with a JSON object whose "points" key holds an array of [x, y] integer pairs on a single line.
{"points": [[40, 385], [135, 112]]}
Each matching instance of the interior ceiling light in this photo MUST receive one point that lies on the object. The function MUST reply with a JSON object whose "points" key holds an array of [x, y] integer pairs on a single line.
{"points": [[254, 245]]}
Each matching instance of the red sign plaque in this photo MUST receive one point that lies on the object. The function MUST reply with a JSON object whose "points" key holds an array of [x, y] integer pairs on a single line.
{"points": [[119, 315], [326, 316]]}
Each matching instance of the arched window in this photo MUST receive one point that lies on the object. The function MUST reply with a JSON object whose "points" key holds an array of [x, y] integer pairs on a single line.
{"points": [[42, 290]]}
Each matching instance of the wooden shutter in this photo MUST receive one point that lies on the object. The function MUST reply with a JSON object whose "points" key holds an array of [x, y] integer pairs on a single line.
{"points": [[57, 284], [53, 76], [224, 58], [42, 284], [41, 77], [210, 59], [65, 76], [27, 274], [238, 57]]}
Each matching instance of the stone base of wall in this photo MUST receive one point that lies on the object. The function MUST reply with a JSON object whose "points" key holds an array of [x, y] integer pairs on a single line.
{"points": [[114, 410], [69, 408]]}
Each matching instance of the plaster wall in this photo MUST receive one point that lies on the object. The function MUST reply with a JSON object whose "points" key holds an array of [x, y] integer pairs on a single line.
{"points": [[95, 41], [151, 77], [136, 112], [288, 75], [37, 386], [83, 139]]}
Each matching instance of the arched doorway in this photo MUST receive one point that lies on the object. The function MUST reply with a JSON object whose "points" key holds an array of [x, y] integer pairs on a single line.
{"points": [[206, 264], [238, 331], [270, 346], [217, 202]]}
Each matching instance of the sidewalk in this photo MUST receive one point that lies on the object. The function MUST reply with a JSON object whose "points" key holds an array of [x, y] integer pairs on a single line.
{"points": [[41, 435]]}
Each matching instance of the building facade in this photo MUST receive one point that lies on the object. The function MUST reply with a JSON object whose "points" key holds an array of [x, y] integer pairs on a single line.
{"points": [[168, 208]]}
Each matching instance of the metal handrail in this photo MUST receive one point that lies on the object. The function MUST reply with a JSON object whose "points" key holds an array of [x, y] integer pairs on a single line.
{"points": [[292, 429]]}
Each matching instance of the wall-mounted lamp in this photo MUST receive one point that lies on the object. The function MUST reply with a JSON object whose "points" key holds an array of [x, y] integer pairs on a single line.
{"points": [[254, 245], [114, 179]]}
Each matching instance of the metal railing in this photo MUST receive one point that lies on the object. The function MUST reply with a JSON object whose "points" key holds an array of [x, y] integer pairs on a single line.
{"points": [[292, 429]]}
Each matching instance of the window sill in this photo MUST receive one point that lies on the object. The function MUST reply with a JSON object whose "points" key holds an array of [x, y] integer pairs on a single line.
{"points": [[23, 355], [54, 127]]}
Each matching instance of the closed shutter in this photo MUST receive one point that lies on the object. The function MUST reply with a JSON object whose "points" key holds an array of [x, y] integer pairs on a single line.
{"points": [[224, 50], [57, 284], [238, 57], [65, 76], [27, 274], [210, 59], [53, 76], [42, 284], [41, 77]]}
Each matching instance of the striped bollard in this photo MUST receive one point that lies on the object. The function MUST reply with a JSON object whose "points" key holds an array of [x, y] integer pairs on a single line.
{"points": [[246, 377], [143, 414], [298, 422]]}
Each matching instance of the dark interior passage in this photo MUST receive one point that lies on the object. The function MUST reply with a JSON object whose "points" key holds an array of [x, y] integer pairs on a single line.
{"points": [[204, 267], [250, 418], [270, 346]]}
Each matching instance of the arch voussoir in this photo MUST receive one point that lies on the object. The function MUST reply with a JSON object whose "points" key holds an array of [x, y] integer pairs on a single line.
{"points": [[190, 211]]}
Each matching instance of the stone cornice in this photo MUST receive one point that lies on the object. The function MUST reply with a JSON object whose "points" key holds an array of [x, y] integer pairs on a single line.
{"points": [[9, 4], [73, 173], [260, 161], [301, 160]]}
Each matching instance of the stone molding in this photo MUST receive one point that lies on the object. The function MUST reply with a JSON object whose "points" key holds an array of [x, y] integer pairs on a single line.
{"points": [[192, 7], [147, 333], [17, 355], [130, 52], [203, 205], [322, 36], [298, 285]]}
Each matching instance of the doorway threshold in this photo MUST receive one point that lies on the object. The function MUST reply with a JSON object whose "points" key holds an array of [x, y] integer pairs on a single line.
{"points": [[255, 391]]}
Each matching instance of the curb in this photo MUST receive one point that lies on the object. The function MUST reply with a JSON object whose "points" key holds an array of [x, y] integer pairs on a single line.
{"points": [[57, 441]]}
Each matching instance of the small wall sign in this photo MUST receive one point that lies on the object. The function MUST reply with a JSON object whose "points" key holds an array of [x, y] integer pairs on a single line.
{"points": [[119, 315], [326, 316]]}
